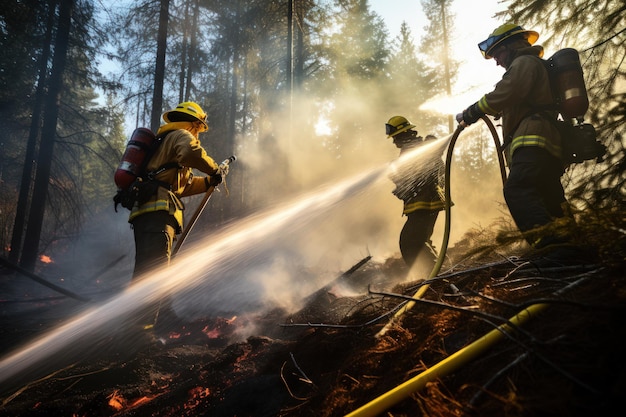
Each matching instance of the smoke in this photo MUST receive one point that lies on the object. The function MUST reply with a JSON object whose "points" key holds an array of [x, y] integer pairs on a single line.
{"points": [[368, 224], [287, 163], [324, 202], [312, 248]]}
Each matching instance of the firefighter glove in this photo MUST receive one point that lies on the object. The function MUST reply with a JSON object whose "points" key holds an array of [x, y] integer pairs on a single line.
{"points": [[214, 180], [470, 115]]}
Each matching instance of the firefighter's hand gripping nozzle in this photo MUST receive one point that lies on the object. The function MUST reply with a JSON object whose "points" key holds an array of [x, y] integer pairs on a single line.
{"points": [[222, 170]]}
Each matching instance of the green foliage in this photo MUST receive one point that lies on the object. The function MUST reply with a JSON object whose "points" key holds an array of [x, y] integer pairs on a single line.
{"points": [[22, 26], [359, 47], [411, 82], [82, 150], [435, 44]]}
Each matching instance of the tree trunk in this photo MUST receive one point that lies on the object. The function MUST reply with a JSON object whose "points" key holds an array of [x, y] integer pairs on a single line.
{"points": [[298, 69], [183, 57], [44, 160], [446, 59], [159, 71], [24, 197], [289, 71], [193, 42]]}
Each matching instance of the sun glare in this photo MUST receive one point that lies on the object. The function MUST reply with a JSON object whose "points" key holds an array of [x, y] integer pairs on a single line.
{"points": [[322, 127]]}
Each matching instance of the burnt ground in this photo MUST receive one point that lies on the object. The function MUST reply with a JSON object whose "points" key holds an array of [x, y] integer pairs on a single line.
{"points": [[329, 359]]}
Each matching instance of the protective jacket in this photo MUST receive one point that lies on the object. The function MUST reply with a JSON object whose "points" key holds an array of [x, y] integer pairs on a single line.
{"points": [[521, 98], [420, 187], [183, 148]]}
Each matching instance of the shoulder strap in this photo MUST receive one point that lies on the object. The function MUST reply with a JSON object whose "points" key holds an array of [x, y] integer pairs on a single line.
{"points": [[164, 167], [168, 165]]}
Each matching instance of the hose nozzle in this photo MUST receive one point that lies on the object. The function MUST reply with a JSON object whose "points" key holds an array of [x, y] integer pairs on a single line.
{"points": [[223, 167], [228, 160]]}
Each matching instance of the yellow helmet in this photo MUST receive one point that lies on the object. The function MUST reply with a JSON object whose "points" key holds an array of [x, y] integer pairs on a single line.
{"points": [[187, 112], [502, 33], [397, 124]]}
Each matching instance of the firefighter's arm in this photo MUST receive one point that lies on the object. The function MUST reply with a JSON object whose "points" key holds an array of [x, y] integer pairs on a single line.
{"points": [[470, 115], [515, 85], [199, 185], [190, 153]]}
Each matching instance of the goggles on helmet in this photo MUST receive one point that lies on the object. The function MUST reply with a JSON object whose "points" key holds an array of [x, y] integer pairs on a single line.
{"points": [[486, 45], [494, 39], [391, 130]]}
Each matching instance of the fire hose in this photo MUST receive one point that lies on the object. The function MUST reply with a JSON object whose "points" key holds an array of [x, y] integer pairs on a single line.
{"points": [[223, 170], [471, 351]]}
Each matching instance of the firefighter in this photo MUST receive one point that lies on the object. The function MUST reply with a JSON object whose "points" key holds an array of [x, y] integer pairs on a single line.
{"points": [[157, 222], [533, 191], [418, 186]]}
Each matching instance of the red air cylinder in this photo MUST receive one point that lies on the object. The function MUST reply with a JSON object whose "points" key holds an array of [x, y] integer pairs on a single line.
{"points": [[569, 83], [138, 148]]}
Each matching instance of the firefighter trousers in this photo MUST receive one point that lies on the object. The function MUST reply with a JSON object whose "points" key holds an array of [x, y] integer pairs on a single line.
{"points": [[533, 191], [154, 237], [415, 243]]}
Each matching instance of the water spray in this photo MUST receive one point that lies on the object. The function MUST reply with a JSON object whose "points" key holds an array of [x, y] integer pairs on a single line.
{"points": [[201, 263]]}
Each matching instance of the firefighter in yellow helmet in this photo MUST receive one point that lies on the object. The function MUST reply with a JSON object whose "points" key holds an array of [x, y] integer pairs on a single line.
{"points": [[419, 186], [533, 191], [156, 222]]}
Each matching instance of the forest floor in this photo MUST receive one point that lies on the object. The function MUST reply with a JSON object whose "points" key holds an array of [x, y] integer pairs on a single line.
{"points": [[561, 356]]}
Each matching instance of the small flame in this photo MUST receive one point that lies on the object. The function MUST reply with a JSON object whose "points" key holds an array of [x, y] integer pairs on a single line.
{"points": [[116, 401], [211, 333], [45, 259], [219, 328]]}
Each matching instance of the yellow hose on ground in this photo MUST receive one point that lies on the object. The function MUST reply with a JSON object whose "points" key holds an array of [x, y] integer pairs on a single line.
{"points": [[454, 361], [451, 363]]}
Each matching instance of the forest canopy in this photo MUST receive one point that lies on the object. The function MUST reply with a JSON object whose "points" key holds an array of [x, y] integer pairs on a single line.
{"points": [[298, 90]]}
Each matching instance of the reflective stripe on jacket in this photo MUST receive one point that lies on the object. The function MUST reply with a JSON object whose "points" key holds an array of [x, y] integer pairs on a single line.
{"points": [[437, 205], [519, 97]]}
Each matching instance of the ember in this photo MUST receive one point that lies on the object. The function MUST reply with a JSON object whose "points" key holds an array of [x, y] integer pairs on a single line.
{"points": [[196, 395], [221, 328], [141, 401]]}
